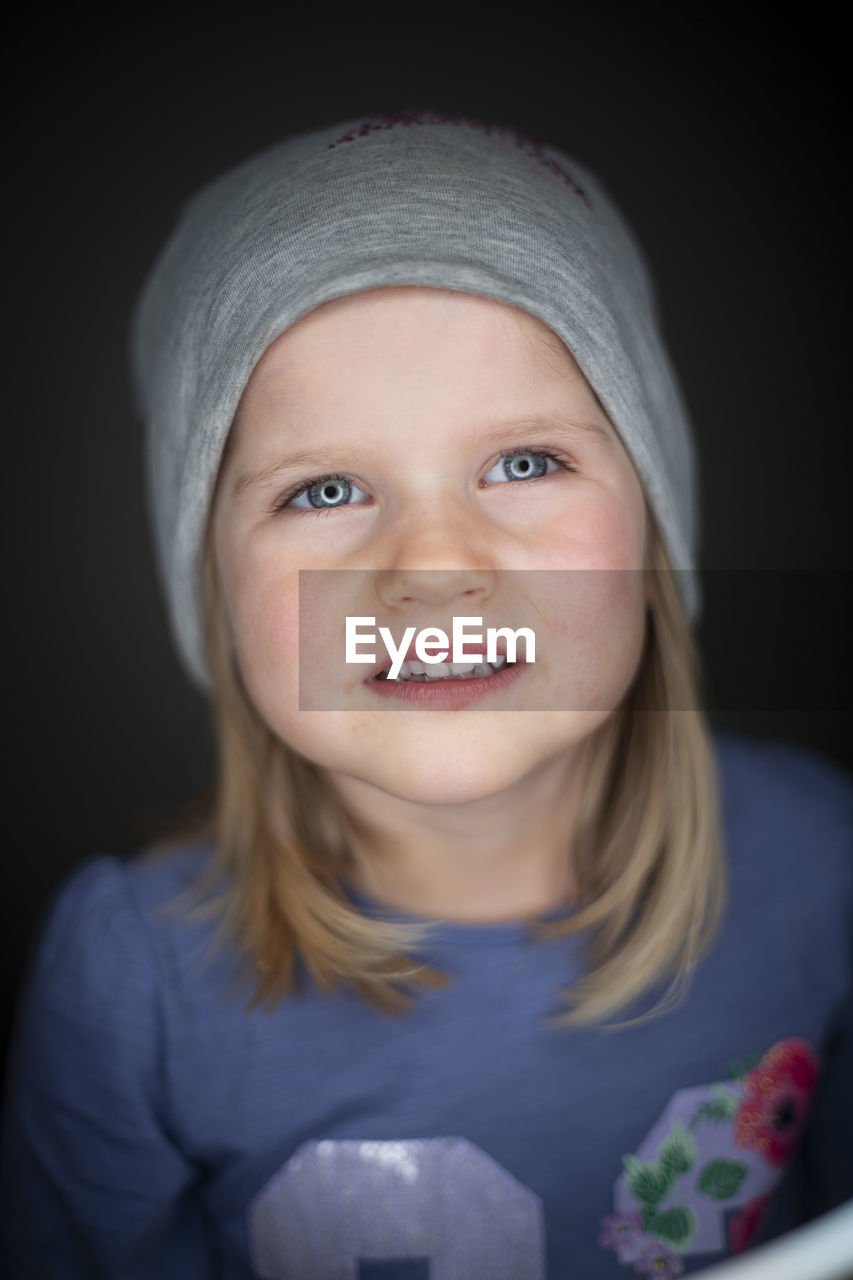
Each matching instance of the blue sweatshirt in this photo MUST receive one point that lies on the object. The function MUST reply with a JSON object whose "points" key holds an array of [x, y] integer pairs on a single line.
{"points": [[155, 1130]]}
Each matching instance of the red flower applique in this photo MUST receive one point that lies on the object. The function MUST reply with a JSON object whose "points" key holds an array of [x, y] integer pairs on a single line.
{"points": [[776, 1099], [743, 1225]]}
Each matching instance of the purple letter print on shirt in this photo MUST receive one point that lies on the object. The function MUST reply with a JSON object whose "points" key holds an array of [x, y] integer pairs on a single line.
{"points": [[439, 1201]]}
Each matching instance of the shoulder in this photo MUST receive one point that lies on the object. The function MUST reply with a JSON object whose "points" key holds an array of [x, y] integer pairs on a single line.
{"points": [[100, 932], [783, 776], [105, 887], [788, 811], [90, 909]]}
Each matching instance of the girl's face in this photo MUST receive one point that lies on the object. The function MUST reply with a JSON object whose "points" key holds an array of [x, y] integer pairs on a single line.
{"points": [[411, 396]]}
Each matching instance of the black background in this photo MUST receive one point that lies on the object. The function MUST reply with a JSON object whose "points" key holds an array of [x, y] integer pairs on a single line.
{"points": [[721, 133]]}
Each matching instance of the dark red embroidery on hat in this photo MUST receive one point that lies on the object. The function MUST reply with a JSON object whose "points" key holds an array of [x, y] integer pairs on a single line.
{"points": [[530, 146]]}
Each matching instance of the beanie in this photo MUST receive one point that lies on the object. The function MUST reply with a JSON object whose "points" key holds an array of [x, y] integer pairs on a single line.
{"points": [[417, 198]]}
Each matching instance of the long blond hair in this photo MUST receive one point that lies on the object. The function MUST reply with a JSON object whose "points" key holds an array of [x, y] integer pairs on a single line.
{"points": [[647, 848]]}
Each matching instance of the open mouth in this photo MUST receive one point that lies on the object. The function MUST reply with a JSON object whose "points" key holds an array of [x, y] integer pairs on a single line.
{"points": [[424, 673], [449, 685]]}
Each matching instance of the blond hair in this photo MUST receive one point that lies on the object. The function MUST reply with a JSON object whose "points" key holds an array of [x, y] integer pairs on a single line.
{"points": [[647, 848]]}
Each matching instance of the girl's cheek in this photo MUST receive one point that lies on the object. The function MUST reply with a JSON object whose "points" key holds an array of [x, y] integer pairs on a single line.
{"points": [[596, 610], [592, 536], [264, 604], [272, 620]]}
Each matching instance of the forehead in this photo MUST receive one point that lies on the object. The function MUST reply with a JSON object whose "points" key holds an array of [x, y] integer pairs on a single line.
{"points": [[351, 365], [489, 317], [476, 358]]}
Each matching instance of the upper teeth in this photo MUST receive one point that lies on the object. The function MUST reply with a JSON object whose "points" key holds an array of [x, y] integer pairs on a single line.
{"points": [[449, 670]]}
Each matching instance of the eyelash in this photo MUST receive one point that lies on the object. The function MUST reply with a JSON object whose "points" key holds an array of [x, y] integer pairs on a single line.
{"points": [[281, 503]]}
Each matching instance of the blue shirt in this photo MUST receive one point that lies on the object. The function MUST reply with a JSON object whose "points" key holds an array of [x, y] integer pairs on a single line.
{"points": [[156, 1130]]}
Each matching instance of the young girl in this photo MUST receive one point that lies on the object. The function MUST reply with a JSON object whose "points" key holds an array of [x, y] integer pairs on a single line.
{"points": [[509, 970]]}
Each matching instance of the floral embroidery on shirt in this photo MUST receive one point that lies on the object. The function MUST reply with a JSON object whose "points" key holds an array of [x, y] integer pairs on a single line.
{"points": [[716, 1148], [776, 1100], [743, 1225]]}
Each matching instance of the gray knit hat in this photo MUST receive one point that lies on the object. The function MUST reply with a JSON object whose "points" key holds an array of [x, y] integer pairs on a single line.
{"points": [[417, 198]]}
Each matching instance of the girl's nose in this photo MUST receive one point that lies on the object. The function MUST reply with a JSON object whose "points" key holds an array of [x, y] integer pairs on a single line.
{"points": [[436, 556], [437, 588]]}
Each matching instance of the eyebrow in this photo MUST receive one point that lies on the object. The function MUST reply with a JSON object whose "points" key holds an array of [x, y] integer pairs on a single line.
{"points": [[318, 455]]}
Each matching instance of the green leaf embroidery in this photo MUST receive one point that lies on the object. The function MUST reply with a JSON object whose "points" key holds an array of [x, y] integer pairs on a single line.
{"points": [[677, 1153], [722, 1107], [646, 1216], [721, 1178], [739, 1069], [650, 1182], [715, 1112], [675, 1226]]}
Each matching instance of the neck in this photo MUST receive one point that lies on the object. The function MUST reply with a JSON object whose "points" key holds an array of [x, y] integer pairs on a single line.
{"points": [[497, 858]]}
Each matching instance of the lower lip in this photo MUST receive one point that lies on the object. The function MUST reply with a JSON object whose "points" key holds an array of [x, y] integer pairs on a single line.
{"points": [[447, 693]]}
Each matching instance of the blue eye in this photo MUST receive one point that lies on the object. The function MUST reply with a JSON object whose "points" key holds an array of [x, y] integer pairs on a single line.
{"points": [[523, 464], [323, 494]]}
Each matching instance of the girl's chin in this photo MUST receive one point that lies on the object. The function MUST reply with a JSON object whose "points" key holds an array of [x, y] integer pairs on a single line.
{"points": [[456, 781], [438, 797]]}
